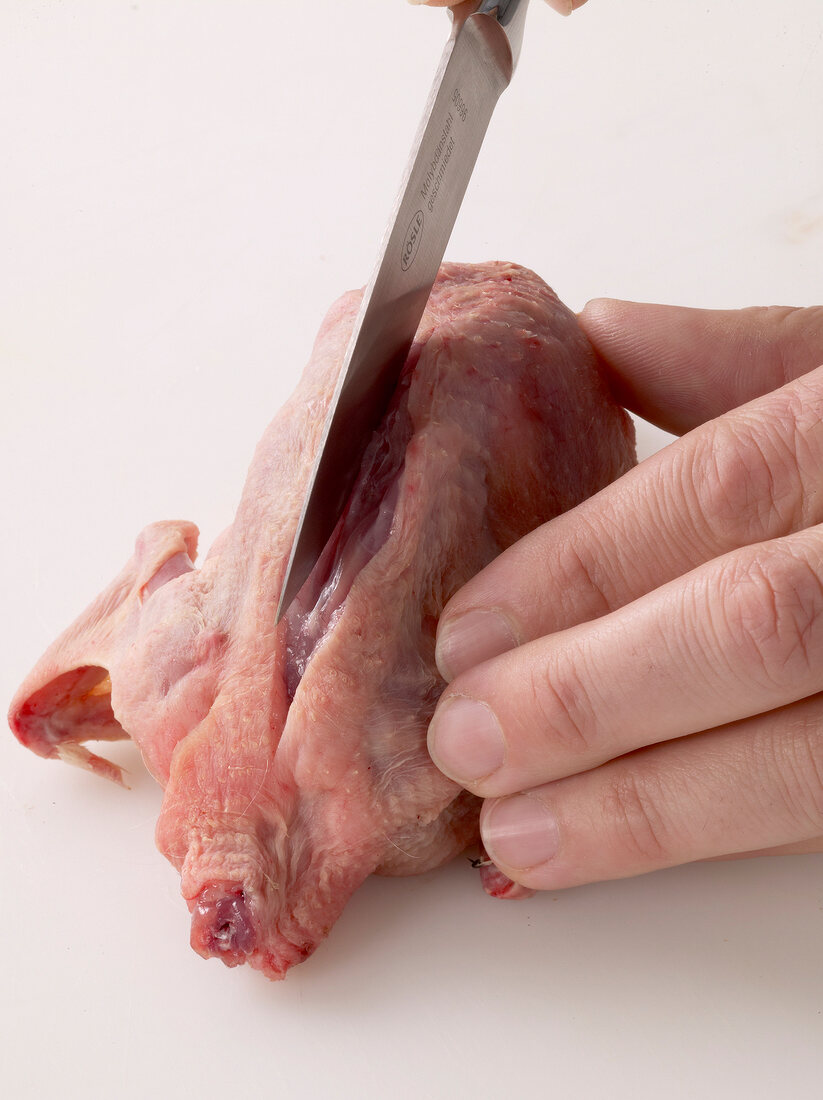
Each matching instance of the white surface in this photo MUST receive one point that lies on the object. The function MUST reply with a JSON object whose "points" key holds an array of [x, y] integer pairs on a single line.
{"points": [[184, 188]]}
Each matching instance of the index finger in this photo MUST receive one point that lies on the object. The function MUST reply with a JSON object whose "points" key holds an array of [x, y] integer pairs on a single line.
{"points": [[679, 367]]}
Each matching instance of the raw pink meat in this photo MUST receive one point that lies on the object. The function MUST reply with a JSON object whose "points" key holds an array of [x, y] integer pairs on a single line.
{"points": [[294, 758]]}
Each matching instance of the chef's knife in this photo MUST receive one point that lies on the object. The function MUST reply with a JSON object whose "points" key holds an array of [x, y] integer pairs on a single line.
{"points": [[477, 65]]}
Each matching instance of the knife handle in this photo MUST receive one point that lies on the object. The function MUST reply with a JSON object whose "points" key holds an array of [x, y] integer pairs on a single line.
{"points": [[511, 15], [506, 9]]}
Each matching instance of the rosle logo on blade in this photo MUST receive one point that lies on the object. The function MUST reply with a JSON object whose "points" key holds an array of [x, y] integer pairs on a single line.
{"points": [[411, 244]]}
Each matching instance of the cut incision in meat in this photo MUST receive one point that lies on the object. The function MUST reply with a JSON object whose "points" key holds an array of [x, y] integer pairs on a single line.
{"points": [[294, 758]]}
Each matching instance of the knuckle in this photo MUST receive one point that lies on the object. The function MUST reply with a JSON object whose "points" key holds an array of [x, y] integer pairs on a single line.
{"points": [[773, 609], [745, 480], [564, 709], [796, 336], [632, 806], [800, 407], [585, 573], [801, 768], [754, 473]]}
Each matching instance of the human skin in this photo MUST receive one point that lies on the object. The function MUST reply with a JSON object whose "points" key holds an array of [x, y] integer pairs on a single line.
{"points": [[564, 7], [637, 684]]}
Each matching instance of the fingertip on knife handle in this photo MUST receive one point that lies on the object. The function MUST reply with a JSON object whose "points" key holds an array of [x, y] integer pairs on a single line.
{"points": [[565, 7]]}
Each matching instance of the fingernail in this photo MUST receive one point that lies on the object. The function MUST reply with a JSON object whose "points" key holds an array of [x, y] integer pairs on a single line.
{"points": [[565, 7], [520, 832], [471, 638], [465, 739]]}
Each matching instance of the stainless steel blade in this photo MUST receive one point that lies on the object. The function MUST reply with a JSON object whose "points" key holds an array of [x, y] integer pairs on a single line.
{"points": [[477, 65]]}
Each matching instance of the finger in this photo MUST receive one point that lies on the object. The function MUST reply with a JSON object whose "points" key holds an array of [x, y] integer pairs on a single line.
{"points": [[679, 367], [741, 635], [749, 476], [754, 785], [564, 7], [799, 848]]}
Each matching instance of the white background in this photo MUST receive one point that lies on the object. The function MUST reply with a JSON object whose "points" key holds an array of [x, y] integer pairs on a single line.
{"points": [[184, 187]]}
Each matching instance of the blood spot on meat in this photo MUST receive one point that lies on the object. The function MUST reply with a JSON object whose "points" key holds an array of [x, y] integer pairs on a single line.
{"points": [[498, 885]]}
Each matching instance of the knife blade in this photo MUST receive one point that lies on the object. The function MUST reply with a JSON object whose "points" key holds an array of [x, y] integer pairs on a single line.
{"points": [[477, 65]]}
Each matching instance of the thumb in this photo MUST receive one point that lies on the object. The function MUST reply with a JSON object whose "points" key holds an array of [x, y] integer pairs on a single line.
{"points": [[678, 367], [565, 7]]}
